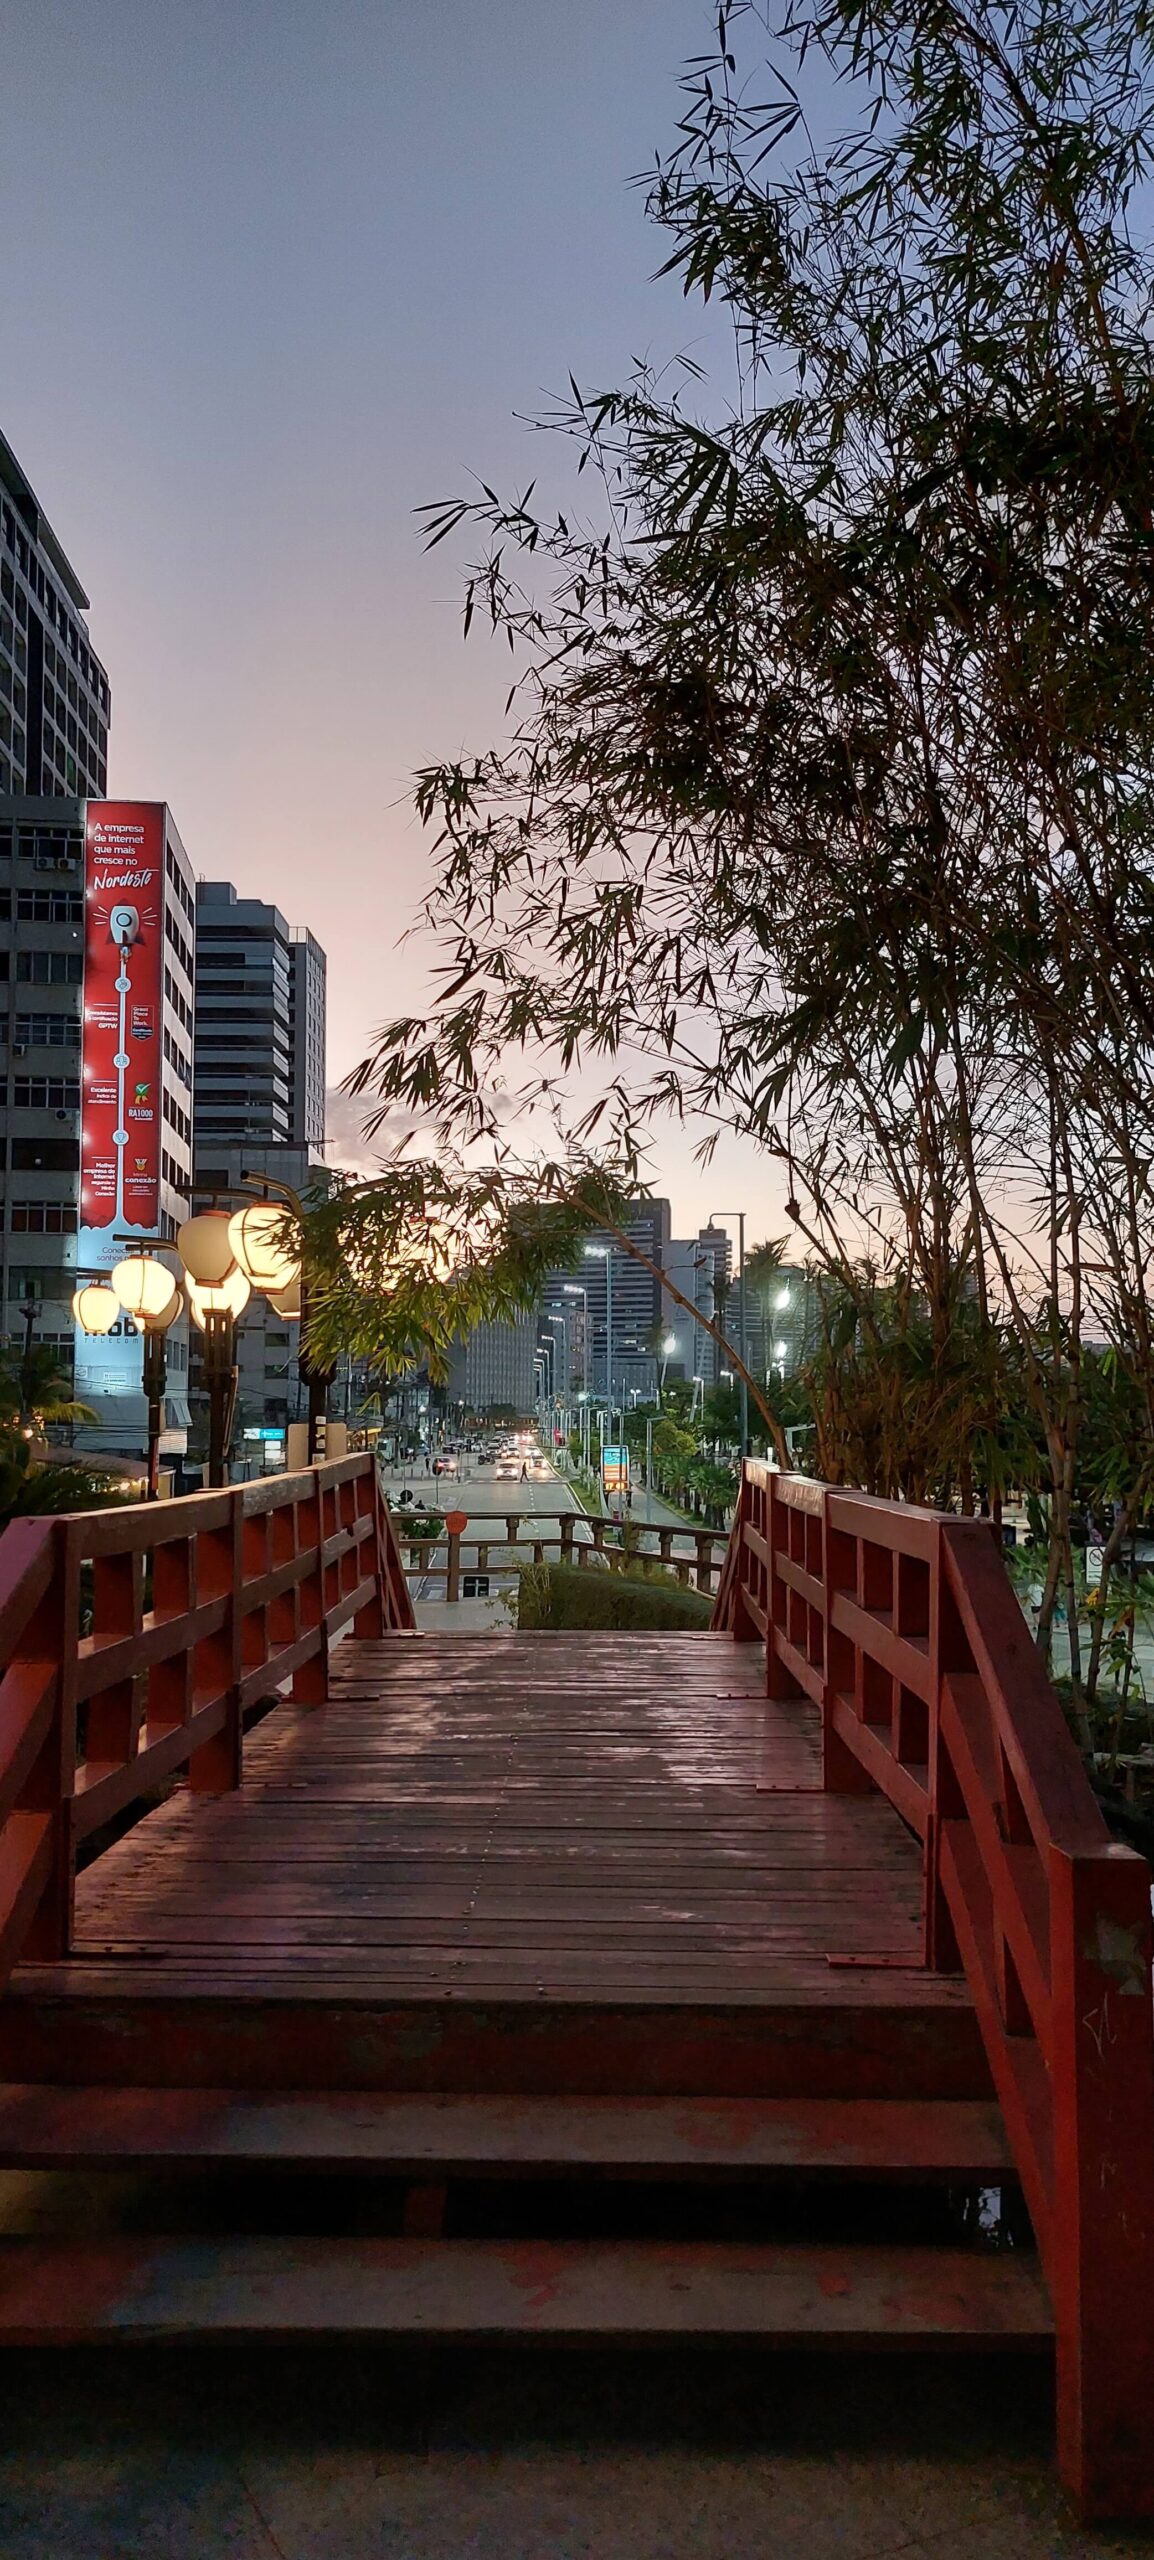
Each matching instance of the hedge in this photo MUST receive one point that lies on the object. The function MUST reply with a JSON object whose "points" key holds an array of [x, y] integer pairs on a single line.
{"points": [[563, 1595]]}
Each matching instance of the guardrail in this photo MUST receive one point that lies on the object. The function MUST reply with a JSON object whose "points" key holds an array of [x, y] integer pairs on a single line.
{"points": [[529, 1538], [901, 1627], [133, 1640]]}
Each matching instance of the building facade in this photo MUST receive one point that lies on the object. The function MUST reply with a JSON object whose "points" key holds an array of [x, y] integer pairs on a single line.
{"points": [[69, 1196], [701, 1266], [260, 1025], [55, 704], [492, 1370], [619, 1362], [260, 1110]]}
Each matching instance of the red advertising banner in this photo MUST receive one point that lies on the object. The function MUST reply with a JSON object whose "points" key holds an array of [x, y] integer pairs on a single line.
{"points": [[120, 1123]]}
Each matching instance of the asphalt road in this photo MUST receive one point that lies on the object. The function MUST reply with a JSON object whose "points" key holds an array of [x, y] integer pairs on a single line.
{"points": [[485, 1496]]}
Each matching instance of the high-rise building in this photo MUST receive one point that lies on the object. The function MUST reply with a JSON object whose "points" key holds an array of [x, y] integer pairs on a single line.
{"points": [[95, 1078], [308, 970], [607, 1277], [492, 1369], [701, 1267], [54, 699], [260, 1026]]}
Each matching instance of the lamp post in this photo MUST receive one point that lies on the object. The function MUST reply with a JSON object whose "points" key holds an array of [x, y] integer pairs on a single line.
{"points": [[257, 1236], [144, 1289], [221, 1259], [715, 1220], [604, 1253]]}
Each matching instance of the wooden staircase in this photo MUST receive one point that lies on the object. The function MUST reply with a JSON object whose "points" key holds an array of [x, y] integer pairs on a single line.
{"points": [[477, 2217]]}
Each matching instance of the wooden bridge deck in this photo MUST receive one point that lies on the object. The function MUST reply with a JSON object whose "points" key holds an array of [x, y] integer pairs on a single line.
{"points": [[586, 1822], [737, 1935]]}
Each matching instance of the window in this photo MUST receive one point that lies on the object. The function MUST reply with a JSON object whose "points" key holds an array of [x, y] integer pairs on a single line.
{"points": [[49, 906], [50, 968], [45, 1155], [46, 1093], [42, 1218], [47, 1031]]}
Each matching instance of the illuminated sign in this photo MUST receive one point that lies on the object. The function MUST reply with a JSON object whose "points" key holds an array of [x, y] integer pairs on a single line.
{"points": [[120, 1120]]}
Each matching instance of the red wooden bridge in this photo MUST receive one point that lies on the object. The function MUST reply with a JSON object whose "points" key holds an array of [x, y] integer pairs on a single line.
{"points": [[643, 1988]]}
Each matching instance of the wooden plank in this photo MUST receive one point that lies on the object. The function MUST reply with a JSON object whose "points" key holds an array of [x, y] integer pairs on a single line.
{"points": [[686, 2138], [574, 2293], [834, 2034]]}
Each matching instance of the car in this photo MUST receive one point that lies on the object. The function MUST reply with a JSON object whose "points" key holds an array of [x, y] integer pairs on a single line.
{"points": [[507, 1467]]}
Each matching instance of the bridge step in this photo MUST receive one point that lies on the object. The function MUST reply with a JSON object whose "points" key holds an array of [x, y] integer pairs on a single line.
{"points": [[843, 2036], [572, 2293], [684, 2138]]}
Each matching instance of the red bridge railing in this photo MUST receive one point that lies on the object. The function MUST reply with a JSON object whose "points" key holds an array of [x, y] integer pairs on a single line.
{"points": [[901, 1627], [132, 1642]]}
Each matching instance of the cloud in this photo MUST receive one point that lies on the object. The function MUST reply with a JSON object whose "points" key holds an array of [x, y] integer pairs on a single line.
{"points": [[347, 1146]]}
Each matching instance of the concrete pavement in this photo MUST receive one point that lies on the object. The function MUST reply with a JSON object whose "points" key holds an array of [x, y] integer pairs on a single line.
{"points": [[348, 2454]]}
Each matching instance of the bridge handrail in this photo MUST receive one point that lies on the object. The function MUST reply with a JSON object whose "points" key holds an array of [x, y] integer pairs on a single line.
{"points": [[900, 1625], [610, 1542], [246, 1589]]}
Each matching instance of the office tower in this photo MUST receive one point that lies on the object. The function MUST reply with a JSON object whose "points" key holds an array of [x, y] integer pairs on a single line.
{"points": [[260, 1026], [492, 1369], [635, 1295], [701, 1267], [54, 698], [307, 1024], [260, 1110], [91, 894]]}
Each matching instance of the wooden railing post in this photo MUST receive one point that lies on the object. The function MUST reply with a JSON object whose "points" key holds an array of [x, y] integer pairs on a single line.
{"points": [[453, 1566], [38, 1922], [310, 1684], [1102, 2255], [216, 1766], [372, 1620]]}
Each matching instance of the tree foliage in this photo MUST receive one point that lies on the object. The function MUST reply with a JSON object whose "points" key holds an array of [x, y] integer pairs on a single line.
{"points": [[826, 809]]}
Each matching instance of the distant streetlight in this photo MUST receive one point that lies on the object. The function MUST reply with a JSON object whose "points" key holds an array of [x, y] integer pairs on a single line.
{"points": [[715, 1220]]}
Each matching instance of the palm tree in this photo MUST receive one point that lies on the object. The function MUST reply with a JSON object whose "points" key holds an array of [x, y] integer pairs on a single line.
{"points": [[35, 1393]]}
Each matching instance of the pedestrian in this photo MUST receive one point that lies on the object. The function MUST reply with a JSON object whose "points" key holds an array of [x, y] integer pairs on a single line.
{"points": [[524, 1472]]}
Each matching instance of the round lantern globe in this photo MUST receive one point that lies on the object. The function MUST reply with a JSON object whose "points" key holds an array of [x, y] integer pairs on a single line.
{"points": [[158, 1321], [204, 1248], [96, 1308], [256, 1235], [142, 1286], [227, 1297], [287, 1301]]}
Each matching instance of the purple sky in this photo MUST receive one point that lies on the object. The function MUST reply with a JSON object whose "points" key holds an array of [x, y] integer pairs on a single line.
{"points": [[276, 272]]}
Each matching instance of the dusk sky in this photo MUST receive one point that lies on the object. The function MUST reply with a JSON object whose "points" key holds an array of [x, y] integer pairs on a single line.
{"points": [[278, 272]]}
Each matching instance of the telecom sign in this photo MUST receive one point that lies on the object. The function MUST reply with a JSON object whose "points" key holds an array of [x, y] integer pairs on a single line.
{"points": [[120, 1122]]}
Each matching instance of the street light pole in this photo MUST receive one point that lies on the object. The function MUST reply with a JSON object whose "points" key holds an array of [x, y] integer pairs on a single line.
{"points": [[715, 1220]]}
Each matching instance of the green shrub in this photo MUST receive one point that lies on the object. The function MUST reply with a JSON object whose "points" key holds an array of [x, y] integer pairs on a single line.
{"points": [[562, 1595]]}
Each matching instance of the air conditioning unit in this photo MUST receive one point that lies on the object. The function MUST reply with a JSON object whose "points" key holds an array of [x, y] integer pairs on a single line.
{"points": [[20, 1050], [46, 862]]}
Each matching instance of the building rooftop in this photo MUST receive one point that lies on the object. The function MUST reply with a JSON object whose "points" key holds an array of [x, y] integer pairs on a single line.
{"points": [[32, 515]]}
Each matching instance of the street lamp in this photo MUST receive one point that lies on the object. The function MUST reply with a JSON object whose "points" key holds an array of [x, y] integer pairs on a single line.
{"points": [[604, 1253], [715, 1220], [217, 1285], [143, 1289]]}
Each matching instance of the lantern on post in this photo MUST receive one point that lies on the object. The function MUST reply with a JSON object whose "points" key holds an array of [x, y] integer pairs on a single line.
{"points": [[214, 1307], [146, 1291], [260, 1248]]}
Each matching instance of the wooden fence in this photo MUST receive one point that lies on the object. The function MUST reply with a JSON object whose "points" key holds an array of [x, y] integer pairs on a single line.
{"points": [[529, 1537], [901, 1627], [132, 1642]]}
